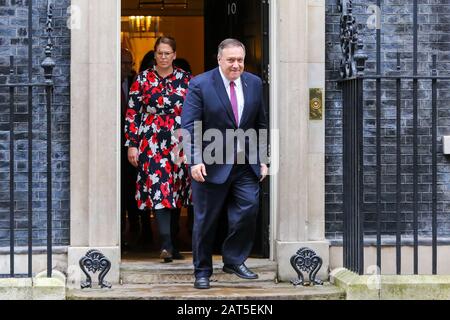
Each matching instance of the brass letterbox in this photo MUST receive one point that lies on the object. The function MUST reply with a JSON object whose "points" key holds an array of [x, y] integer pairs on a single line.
{"points": [[315, 104]]}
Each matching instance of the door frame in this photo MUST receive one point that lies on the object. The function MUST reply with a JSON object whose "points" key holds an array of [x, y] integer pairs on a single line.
{"points": [[273, 123]]}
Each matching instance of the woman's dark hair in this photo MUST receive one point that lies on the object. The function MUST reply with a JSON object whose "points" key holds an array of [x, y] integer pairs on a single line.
{"points": [[166, 40], [182, 64], [148, 61]]}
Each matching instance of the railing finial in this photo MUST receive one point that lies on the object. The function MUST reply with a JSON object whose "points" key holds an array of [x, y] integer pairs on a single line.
{"points": [[434, 65], [49, 64], [353, 57], [360, 58]]}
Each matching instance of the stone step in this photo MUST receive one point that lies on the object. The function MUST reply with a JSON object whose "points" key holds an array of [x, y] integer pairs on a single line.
{"points": [[218, 291], [153, 271]]}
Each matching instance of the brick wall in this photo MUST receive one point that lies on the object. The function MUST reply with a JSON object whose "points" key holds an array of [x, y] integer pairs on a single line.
{"points": [[14, 41], [397, 35]]}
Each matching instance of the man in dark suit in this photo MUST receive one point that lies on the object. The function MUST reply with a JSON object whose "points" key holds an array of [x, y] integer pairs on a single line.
{"points": [[221, 101]]}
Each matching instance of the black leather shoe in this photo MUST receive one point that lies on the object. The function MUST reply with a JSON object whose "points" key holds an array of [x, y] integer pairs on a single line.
{"points": [[240, 270], [166, 256], [201, 283]]}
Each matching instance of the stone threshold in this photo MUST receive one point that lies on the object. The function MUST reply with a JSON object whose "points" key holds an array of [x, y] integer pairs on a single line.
{"points": [[153, 271], [147, 278], [391, 287], [218, 291]]}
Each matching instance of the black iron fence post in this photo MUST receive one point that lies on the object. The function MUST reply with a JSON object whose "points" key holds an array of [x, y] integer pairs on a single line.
{"points": [[434, 125], [352, 71], [30, 139], [398, 217], [48, 64], [11, 172]]}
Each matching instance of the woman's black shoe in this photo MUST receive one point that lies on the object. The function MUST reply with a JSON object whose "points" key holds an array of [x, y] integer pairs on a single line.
{"points": [[166, 256]]}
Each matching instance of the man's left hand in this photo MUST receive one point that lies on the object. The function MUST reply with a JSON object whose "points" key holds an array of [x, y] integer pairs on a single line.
{"points": [[264, 171]]}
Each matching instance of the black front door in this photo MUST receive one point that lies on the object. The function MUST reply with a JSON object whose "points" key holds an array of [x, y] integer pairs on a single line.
{"points": [[247, 21]]}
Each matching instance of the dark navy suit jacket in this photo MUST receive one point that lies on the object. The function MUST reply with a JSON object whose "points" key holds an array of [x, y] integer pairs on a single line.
{"points": [[207, 101]]}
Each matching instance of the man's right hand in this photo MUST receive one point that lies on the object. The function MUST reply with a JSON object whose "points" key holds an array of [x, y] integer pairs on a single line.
{"points": [[133, 155], [198, 172]]}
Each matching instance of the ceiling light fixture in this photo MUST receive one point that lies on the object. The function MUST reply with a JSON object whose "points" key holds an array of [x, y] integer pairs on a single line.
{"points": [[163, 4]]}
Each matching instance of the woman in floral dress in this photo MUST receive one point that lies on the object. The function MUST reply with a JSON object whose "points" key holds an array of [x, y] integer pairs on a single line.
{"points": [[153, 115]]}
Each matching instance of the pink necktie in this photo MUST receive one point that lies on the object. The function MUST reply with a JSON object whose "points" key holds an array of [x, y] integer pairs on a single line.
{"points": [[234, 103]]}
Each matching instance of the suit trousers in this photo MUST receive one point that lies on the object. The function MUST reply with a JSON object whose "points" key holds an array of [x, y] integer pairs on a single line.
{"points": [[240, 195]]}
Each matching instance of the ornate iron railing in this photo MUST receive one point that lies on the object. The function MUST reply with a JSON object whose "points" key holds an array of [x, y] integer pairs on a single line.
{"points": [[357, 158], [48, 65]]}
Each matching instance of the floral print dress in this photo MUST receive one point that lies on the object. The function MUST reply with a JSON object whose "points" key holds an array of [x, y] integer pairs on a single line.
{"points": [[152, 118]]}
